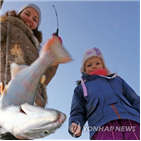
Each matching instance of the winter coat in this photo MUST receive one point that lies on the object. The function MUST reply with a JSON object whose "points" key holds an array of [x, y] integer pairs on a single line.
{"points": [[18, 44], [102, 99]]}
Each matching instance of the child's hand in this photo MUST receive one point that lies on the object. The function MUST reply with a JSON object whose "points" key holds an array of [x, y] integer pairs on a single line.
{"points": [[75, 129]]}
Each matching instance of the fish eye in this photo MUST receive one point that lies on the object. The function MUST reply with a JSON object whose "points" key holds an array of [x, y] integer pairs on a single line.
{"points": [[46, 132]]}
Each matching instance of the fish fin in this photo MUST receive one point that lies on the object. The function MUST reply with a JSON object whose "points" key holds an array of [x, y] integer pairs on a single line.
{"points": [[35, 109], [21, 110], [15, 68], [5, 89], [27, 108], [61, 54], [43, 79], [30, 109]]}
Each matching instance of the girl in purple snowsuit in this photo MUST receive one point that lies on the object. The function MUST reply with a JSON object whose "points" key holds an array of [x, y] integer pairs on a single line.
{"points": [[106, 101]]}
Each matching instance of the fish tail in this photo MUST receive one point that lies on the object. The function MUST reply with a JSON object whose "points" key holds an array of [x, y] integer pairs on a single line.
{"points": [[52, 41], [55, 46]]}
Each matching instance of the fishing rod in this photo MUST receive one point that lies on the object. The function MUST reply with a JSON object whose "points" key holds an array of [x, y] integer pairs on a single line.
{"points": [[57, 31]]}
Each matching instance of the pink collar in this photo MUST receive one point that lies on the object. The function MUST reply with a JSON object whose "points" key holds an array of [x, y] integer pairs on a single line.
{"points": [[99, 72]]}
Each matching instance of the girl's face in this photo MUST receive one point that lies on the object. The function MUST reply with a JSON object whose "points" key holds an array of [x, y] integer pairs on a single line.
{"points": [[30, 17], [92, 64]]}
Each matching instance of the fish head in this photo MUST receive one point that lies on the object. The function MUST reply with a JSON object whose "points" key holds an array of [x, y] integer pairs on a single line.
{"points": [[45, 129], [39, 124]]}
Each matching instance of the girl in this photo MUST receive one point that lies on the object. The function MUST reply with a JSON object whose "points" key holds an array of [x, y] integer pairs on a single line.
{"points": [[106, 101], [20, 43]]}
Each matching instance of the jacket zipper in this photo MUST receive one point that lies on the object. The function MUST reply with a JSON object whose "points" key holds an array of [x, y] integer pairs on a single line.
{"points": [[112, 105]]}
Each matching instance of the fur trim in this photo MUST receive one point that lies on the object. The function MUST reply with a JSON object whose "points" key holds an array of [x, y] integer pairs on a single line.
{"points": [[18, 55], [19, 23]]}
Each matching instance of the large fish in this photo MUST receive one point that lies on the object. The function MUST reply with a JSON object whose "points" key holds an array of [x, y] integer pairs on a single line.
{"points": [[18, 115]]}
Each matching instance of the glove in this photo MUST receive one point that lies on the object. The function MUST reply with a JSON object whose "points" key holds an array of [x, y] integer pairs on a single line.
{"points": [[75, 129], [58, 37]]}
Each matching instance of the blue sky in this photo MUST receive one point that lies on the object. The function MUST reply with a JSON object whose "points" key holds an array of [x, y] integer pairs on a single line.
{"points": [[112, 26]]}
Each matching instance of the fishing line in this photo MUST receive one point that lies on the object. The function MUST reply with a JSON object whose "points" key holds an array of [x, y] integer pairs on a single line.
{"points": [[57, 31]]}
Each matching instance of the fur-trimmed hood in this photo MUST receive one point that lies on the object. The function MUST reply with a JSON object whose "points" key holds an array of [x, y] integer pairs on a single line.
{"points": [[19, 23]]}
